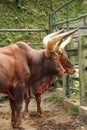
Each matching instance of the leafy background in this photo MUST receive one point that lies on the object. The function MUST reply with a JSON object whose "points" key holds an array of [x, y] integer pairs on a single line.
{"points": [[31, 14]]}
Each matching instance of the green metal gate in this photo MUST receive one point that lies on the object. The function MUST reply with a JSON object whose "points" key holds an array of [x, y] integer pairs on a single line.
{"points": [[75, 51]]}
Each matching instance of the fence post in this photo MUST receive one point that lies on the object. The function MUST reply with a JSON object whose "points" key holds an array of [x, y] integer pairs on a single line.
{"points": [[83, 70], [67, 16], [83, 77], [50, 22], [65, 87]]}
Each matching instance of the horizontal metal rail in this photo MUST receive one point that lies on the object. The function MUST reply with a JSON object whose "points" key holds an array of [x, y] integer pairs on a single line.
{"points": [[72, 52], [30, 44], [24, 30], [79, 35], [81, 27], [74, 78], [75, 89], [70, 20]]}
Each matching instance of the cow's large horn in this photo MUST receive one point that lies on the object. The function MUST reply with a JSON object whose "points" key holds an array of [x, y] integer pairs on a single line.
{"points": [[63, 44], [66, 34], [46, 38], [54, 41]]}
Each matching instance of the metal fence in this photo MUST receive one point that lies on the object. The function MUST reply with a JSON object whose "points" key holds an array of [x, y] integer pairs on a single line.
{"points": [[72, 83], [24, 31]]}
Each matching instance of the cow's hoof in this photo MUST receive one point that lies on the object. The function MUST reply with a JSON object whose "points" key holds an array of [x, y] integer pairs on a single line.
{"points": [[25, 115], [40, 115], [17, 125], [20, 127], [14, 124]]}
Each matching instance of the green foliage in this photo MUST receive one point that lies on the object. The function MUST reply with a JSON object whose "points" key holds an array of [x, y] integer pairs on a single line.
{"points": [[77, 95], [73, 110], [55, 83], [54, 97], [31, 14], [52, 87], [58, 80]]}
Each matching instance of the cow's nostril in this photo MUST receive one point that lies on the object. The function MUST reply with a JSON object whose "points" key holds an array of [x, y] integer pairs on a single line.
{"points": [[74, 71]]}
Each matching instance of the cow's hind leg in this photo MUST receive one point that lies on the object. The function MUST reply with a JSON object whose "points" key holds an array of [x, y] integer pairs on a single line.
{"points": [[27, 101]]}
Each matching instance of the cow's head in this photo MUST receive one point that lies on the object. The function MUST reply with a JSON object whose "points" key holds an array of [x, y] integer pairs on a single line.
{"points": [[55, 50], [66, 63], [63, 56]]}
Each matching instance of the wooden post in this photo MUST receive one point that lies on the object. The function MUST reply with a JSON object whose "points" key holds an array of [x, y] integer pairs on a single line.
{"points": [[64, 87], [83, 70]]}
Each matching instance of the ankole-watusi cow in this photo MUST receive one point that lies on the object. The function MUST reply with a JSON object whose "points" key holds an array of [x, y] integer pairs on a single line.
{"points": [[37, 87], [21, 65]]}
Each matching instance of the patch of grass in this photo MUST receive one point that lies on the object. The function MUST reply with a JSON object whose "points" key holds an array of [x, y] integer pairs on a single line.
{"points": [[51, 88], [54, 97], [75, 95], [78, 95], [73, 110]]}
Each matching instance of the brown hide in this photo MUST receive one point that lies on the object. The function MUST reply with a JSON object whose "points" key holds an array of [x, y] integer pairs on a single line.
{"points": [[13, 68], [54, 44], [42, 85], [18, 64], [14, 75]]}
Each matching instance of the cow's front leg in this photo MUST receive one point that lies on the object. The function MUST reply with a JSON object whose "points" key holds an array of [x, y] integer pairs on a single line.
{"points": [[18, 115], [13, 116], [19, 96], [38, 101]]}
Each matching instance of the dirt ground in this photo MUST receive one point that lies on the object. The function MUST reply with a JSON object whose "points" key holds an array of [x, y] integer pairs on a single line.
{"points": [[54, 117]]}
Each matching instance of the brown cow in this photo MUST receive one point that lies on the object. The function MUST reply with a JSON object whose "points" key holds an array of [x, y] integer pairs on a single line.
{"points": [[38, 87], [14, 74], [19, 63]]}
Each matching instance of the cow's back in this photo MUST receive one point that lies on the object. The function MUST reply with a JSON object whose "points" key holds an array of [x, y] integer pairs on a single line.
{"points": [[13, 66]]}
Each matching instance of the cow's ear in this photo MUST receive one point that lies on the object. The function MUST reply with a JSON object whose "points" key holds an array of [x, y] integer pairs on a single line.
{"points": [[47, 54]]}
